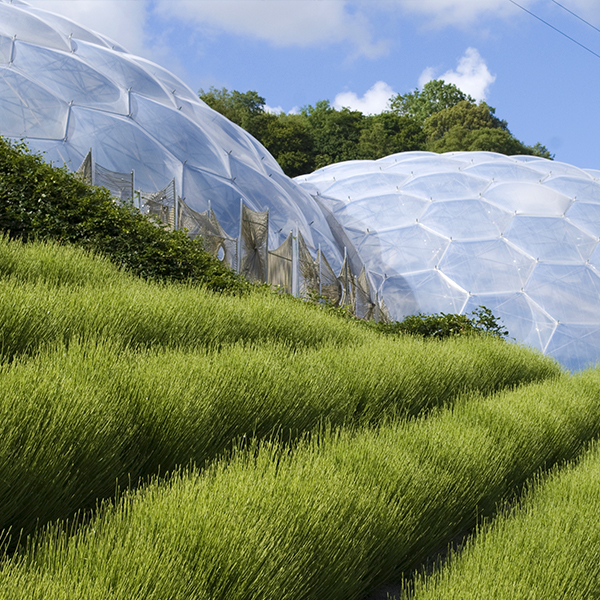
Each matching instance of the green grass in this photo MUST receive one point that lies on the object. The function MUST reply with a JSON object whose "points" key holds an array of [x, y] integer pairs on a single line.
{"points": [[57, 265], [76, 420], [548, 549], [335, 518]]}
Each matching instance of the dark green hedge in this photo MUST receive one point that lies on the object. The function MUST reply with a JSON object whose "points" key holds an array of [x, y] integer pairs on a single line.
{"points": [[38, 201]]}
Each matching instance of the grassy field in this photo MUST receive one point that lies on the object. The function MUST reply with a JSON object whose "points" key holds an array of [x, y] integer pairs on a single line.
{"points": [[335, 517], [102, 387], [259, 447]]}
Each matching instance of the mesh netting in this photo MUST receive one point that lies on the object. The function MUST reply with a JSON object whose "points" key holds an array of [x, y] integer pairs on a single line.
{"points": [[214, 238], [281, 265], [254, 244], [329, 286], [120, 185], [160, 204], [364, 307], [308, 273], [382, 314], [346, 280], [86, 170]]}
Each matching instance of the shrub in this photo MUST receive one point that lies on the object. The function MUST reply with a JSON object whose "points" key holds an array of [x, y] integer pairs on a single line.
{"points": [[44, 202], [443, 325]]}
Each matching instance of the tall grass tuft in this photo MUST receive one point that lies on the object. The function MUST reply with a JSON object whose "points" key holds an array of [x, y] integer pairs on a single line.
{"points": [[334, 519], [75, 421], [548, 549], [56, 265]]}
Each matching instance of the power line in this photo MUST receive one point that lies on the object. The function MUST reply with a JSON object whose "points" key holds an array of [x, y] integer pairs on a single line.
{"points": [[576, 15], [555, 29]]}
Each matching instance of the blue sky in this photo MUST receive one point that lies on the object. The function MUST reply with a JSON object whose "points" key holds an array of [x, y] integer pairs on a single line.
{"points": [[358, 53]]}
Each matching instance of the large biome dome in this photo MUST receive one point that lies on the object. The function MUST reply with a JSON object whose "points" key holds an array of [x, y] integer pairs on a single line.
{"points": [[448, 233], [66, 90]]}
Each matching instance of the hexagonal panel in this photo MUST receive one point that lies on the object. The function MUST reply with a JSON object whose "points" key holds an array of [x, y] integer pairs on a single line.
{"points": [[445, 186], [528, 199], [550, 239], [426, 292], [578, 188], [466, 219], [486, 266], [364, 185], [405, 249], [586, 216], [382, 212], [28, 109], [577, 347], [519, 315], [504, 171], [69, 79], [568, 293]]}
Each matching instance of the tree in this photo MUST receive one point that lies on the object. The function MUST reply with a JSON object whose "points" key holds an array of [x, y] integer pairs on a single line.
{"points": [[468, 115], [289, 139], [436, 95], [241, 108], [389, 133], [336, 133]]}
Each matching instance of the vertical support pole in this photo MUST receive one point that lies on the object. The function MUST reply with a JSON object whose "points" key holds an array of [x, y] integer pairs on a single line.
{"points": [[239, 253], [346, 294], [132, 186], [93, 167], [175, 206], [267, 263], [295, 273], [320, 260]]}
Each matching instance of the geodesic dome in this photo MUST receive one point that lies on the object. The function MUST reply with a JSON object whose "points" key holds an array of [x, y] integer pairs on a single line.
{"points": [[66, 90], [447, 233]]}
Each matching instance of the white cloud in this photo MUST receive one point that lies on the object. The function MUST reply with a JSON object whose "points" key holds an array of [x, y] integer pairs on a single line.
{"points": [[459, 13], [301, 23], [373, 102], [277, 110], [472, 75]]}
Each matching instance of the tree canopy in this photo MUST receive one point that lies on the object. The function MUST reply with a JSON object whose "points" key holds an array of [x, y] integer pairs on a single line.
{"points": [[438, 118]]}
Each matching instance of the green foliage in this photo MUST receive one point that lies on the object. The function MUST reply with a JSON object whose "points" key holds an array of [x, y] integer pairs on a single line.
{"points": [[164, 375], [290, 140], [438, 118], [389, 133], [336, 133], [468, 115], [435, 96], [38, 201], [241, 108], [479, 321]]}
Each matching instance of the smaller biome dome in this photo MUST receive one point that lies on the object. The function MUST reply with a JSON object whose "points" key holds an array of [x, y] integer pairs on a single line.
{"points": [[448, 233]]}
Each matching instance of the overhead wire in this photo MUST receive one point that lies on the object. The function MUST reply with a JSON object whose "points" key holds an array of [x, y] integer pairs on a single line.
{"points": [[576, 15], [556, 28]]}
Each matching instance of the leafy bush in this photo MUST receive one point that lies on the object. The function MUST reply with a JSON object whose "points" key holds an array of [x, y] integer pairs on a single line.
{"points": [[443, 325], [39, 201]]}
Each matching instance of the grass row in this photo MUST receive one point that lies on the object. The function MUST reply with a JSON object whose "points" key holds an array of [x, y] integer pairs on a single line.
{"points": [[141, 314], [57, 265], [75, 421], [58, 294], [336, 518], [548, 550]]}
